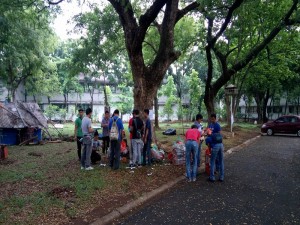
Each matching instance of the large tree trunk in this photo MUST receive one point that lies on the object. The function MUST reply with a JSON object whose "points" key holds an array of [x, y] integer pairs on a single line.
{"points": [[258, 108], [298, 105], [209, 103], [265, 104], [156, 112], [228, 112], [65, 100], [106, 104]]}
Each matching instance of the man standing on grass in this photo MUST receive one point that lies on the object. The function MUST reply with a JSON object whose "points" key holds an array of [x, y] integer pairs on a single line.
{"points": [[147, 139], [78, 132], [116, 126], [87, 131], [105, 133], [136, 129], [131, 164]]}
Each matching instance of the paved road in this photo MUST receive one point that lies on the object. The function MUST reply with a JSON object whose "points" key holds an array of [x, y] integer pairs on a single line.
{"points": [[262, 186]]}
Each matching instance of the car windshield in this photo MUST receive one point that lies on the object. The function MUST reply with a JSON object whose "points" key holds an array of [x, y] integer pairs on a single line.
{"points": [[282, 120], [293, 119]]}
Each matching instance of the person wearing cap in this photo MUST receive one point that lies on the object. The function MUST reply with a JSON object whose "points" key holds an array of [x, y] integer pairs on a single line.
{"points": [[78, 132]]}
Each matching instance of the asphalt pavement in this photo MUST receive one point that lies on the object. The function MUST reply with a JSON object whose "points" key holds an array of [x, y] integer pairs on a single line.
{"points": [[262, 186]]}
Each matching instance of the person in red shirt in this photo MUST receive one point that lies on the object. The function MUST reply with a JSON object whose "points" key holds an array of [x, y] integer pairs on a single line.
{"points": [[192, 139]]}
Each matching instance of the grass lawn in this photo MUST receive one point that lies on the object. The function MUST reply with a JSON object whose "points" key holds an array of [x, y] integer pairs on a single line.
{"points": [[43, 184]]}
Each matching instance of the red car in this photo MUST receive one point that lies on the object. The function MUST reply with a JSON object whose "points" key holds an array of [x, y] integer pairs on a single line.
{"points": [[289, 124]]}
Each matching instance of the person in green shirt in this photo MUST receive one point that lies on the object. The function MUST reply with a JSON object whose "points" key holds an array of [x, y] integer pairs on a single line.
{"points": [[78, 132]]}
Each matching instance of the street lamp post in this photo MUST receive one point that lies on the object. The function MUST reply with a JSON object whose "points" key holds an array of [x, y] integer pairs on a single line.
{"points": [[231, 91]]}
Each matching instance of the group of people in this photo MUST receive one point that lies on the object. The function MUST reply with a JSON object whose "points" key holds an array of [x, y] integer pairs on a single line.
{"points": [[112, 135], [193, 141], [141, 138]]}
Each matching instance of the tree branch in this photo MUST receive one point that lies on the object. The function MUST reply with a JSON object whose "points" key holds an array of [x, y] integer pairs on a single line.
{"points": [[54, 3], [125, 12], [148, 43], [256, 50], [181, 13], [225, 77], [151, 14], [234, 6]]}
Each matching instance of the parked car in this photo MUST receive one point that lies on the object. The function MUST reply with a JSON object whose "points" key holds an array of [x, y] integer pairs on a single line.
{"points": [[288, 124]]}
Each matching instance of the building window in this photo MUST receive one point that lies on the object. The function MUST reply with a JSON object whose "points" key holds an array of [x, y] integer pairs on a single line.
{"points": [[41, 106], [292, 109], [269, 109], [83, 106], [277, 109], [59, 105], [252, 109]]}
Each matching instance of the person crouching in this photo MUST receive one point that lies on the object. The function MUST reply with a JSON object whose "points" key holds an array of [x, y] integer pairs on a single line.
{"points": [[192, 139]]}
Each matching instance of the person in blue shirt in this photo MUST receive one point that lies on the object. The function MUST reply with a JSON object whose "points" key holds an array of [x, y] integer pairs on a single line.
{"points": [[115, 145], [217, 151]]}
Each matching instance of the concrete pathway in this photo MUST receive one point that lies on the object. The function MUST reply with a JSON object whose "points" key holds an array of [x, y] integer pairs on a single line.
{"points": [[262, 186]]}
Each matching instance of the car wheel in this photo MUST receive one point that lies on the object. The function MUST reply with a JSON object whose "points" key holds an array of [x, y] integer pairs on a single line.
{"points": [[298, 133], [269, 132]]}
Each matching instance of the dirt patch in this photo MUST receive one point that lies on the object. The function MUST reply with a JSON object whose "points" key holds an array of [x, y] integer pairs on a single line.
{"points": [[125, 186], [63, 192], [7, 161], [36, 154]]}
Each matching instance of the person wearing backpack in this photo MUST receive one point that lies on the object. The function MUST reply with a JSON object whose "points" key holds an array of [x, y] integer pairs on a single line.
{"points": [[136, 129], [217, 152], [115, 134]]}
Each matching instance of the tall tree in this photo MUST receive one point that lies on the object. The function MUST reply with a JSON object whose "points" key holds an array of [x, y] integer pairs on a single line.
{"points": [[27, 56], [98, 54], [169, 91], [236, 35], [194, 93], [164, 15]]}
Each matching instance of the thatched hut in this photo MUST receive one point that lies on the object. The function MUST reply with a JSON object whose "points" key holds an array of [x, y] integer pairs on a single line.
{"points": [[21, 121]]}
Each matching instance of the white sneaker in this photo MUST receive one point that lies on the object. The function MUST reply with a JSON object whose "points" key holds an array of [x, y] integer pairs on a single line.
{"points": [[89, 168], [82, 168]]}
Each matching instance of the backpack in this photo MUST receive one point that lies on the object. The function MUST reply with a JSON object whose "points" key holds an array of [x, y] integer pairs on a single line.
{"points": [[114, 131], [138, 131]]}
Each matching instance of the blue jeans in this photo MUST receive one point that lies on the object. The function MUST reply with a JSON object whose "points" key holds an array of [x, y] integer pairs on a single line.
{"points": [[86, 153], [137, 148], [217, 152], [147, 152], [191, 151], [115, 153], [199, 155]]}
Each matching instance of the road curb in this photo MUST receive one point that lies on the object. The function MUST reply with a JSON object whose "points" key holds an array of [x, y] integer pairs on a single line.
{"points": [[121, 211], [241, 146]]}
